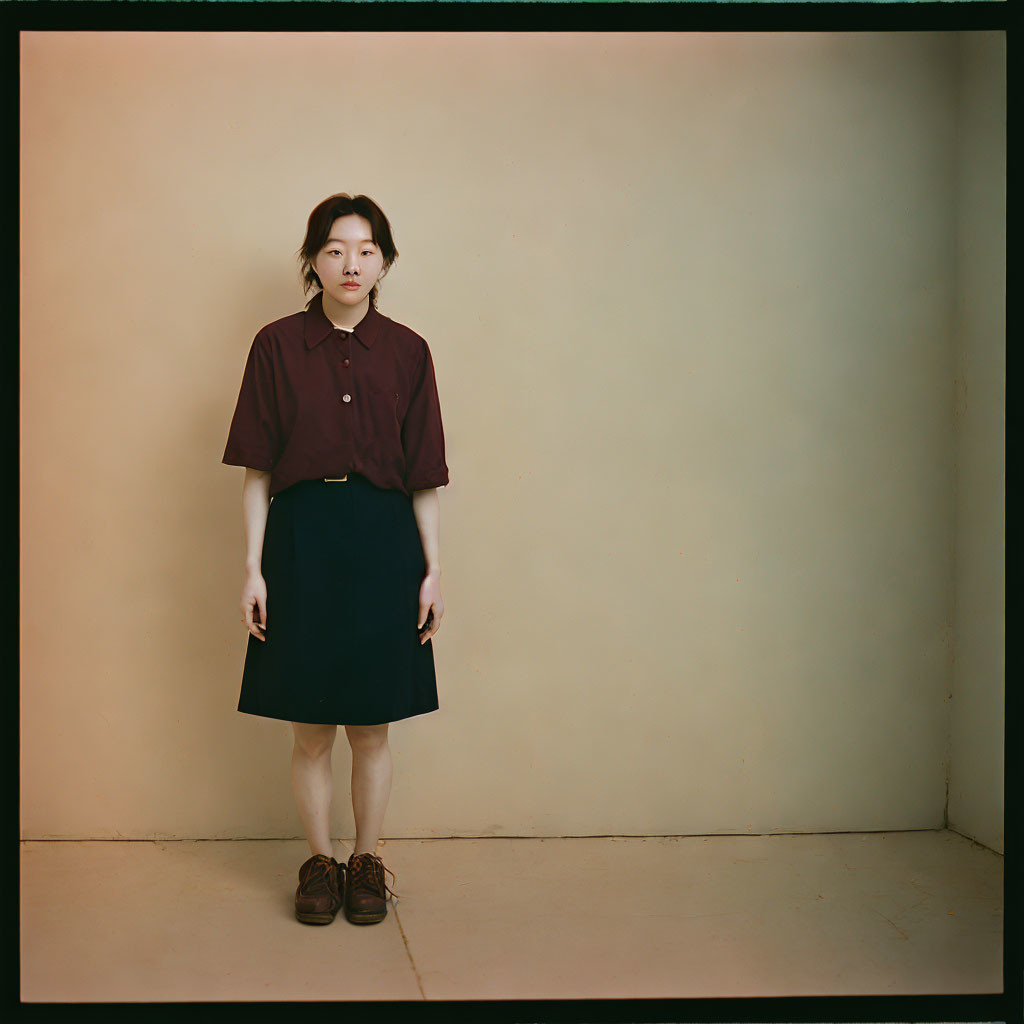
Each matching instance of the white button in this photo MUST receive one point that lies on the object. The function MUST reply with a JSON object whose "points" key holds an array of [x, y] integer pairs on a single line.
{"points": [[346, 398]]}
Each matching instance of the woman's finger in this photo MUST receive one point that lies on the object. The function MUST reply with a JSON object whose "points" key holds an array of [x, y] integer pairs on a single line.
{"points": [[248, 620], [425, 636]]}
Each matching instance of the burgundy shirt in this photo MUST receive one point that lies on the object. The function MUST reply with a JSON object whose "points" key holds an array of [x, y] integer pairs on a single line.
{"points": [[317, 401]]}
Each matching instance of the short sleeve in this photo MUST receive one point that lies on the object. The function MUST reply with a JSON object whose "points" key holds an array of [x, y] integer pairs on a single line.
{"points": [[422, 432], [254, 434]]}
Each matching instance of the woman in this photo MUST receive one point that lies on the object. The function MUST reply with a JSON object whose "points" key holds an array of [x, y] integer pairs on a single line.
{"points": [[338, 424]]}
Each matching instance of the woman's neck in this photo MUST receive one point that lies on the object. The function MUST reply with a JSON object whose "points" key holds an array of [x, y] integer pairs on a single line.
{"points": [[344, 317]]}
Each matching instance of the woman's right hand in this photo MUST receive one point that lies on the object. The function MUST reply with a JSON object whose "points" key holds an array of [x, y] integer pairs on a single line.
{"points": [[254, 595]]}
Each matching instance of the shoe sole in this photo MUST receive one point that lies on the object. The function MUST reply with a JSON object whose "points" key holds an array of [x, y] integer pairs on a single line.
{"points": [[365, 918], [309, 918]]}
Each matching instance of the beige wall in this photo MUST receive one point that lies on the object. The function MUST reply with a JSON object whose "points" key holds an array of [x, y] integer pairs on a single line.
{"points": [[977, 707], [691, 304]]}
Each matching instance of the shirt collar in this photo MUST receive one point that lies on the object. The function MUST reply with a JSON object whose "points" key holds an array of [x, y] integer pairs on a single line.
{"points": [[317, 326]]}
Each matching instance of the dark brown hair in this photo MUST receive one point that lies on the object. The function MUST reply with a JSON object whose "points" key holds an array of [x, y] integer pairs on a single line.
{"points": [[318, 230]]}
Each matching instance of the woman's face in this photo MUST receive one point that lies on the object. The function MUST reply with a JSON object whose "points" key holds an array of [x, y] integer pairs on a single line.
{"points": [[349, 257]]}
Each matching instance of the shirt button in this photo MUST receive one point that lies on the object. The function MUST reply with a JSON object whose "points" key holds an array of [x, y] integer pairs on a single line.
{"points": [[344, 362], [346, 398]]}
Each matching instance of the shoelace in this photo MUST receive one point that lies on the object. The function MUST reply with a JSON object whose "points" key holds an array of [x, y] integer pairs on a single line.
{"points": [[366, 871], [313, 882]]}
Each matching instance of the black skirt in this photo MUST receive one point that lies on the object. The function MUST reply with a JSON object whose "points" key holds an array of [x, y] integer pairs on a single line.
{"points": [[343, 563]]}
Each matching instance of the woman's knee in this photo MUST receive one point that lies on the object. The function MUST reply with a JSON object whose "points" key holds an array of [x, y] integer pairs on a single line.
{"points": [[314, 740], [367, 738]]}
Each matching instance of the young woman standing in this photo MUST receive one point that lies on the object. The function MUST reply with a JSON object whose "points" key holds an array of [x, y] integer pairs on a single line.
{"points": [[338, 424]]}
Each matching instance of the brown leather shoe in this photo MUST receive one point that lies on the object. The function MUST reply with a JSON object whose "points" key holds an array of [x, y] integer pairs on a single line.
{"points": [[321, 890], [365, 889]]}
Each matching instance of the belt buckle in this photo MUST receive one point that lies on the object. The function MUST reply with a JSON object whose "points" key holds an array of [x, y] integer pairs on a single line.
{"points": [[335, 479]]}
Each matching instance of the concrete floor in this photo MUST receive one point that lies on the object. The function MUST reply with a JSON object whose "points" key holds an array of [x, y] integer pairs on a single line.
{"points": [[839, 914]]}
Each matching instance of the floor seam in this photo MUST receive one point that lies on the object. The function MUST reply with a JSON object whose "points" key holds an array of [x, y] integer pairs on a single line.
{"points": [[408, 953]]}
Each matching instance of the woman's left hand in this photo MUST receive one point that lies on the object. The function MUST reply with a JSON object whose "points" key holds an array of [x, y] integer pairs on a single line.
{"points": [[431, 606]]}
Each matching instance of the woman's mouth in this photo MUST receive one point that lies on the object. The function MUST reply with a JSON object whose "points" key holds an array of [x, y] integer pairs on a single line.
{"points": [[351, 284]]}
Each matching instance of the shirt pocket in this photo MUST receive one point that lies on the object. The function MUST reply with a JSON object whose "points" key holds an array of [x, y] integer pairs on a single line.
{"points": [[382, 415]]}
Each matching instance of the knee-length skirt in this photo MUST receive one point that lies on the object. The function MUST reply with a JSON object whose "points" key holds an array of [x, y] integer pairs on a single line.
{"points": [[343, 563]]}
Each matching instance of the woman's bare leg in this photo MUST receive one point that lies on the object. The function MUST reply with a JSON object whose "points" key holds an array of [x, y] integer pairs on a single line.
{"points": [[371, 782], [312, 782]]}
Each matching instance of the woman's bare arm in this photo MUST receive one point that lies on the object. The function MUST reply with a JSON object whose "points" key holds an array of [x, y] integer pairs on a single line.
{"points": [[255, 506], [427, 509]]}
